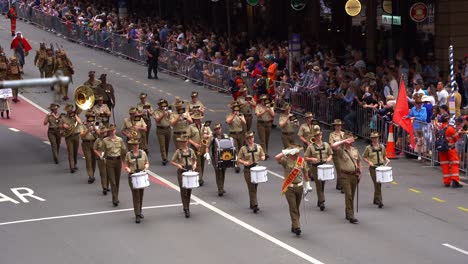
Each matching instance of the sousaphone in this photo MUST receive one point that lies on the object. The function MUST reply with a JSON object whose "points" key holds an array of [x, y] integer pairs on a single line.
{"points": [[84, 97]]}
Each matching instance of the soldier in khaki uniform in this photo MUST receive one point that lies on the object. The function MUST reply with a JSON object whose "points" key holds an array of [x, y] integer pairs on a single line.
{"points": [[102, 111], [184, 159], [135, 124], [88, 136], [350, 165], [70, 123], [375, 155], [318, 153], [219, 172], [107, 91], [290, 159], [41, 58], [250, 155], [49, 65], [305, 130], [146, 109], [99, 151], [162, 117], [14, 72], [92, 82], [199, 136], [135, 161], [335, 136], [247, 107], [180, 120], [3, 75], [236, 122], [195, 105], [265, 114], [287, 122], [114, 152], [63, 63], [53, 132]]}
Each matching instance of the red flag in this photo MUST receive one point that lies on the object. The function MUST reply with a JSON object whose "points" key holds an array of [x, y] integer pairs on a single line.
{"points": [[401, 111]]}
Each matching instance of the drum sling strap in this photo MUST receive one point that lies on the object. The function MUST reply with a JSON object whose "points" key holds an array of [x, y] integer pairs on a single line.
{"points": [[316, 147], [252, 152], [378, 154], [186, 159], [293, 174], [136, 160]]}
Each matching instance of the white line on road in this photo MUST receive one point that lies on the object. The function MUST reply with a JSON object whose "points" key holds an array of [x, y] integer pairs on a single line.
{"points": [[455, 248], [47, 142], [88, 214], [242, 223], [276, 174], [13, 129]]}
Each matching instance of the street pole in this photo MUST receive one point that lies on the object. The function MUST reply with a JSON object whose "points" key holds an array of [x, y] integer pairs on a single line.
{"points": [[32, 83]]}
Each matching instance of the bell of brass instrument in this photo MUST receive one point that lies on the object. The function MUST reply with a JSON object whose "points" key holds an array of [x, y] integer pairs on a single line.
{"points": [[133, 134], [203, 146], [84, 97], [68, 131]]}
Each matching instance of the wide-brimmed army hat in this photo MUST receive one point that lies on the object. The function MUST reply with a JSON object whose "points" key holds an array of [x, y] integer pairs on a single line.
{"points": [[286, 106], [163, 103], [133, 141], [263, 97], [249, 134], [102, 76], [375, 134], [91, 72], [90, 113], [143, 95], [112, 127], [308, 114], [178, 102], [217, 125], [235, 107], [53, 106], [350, 135], [316, 130], [68, 108], [132, 110], [197, 115], [194, 94], [182, 139], [337, 122]]}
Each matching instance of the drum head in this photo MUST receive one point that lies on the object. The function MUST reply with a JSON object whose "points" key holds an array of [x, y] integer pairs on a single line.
{"points": [[190, 173], [258, 168], [325, 166], [137, 174]]}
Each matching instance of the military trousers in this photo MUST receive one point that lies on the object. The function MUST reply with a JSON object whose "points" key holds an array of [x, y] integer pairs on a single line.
{"points": [[377, 186], [54, 139], [137, 196], [252, 188], [103, 174], [41, 72], [200, 163], [337, 172], [287, 138], [319, 185], [220, 176], [294, 196], [73, 142], [264, 130], [15, 93], [90, 157], [185, 194], [64, 90], [248, 122], [164, 139], [349, 183], [113, 168], [238, 138], [148, 130]]}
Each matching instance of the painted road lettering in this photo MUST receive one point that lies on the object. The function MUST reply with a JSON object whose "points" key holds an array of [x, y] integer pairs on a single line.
{"points": [[21, 194]]}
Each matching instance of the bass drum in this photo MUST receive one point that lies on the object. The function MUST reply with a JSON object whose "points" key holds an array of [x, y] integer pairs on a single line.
{"points": [[224, 153]]}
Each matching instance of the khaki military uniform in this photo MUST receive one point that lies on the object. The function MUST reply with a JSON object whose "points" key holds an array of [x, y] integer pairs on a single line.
{"points": [[335, 137], [349, 160], [236, 132], [114, 150], [195, 134], [53, 134], [102, 114], [377, 157], [3, 75], [93, 84], [147, 110], [49, 66], [246, 110], [186, 159], [295, 190], [163, 132], [190, 106], [179, 129], [128, 126], [87, 144], [287, 132], [107, 92], [305, 131], [64, 64], [253, 155], [136, 164], [100, 148], [14, 73], [73, 140], [40, 60], [264, 126], [321, 153], [219, 172]]}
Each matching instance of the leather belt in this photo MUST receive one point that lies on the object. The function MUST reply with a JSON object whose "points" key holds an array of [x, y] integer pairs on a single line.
{"points": [[263, 122], [235, 132], [376, 165], [287, 133], [53, 129], [348, 172], [163, 127], [179, 132], [113, 158], [248, 115], [295, 184], [318, 164], [88, 141]]}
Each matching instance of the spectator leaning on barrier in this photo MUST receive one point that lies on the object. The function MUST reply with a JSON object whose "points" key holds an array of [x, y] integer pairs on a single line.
{"points": [[418, 114]]}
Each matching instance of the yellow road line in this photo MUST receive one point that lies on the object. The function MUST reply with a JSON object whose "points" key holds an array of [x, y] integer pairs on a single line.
{"points": [[438, 200], [463, 208], [394, 182], [415, 191]]}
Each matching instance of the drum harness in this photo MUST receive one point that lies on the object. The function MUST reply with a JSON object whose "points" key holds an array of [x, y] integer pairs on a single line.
{"points": [[378, 150], [136, 160], [321, 162], [252, 152], [186, 159]]}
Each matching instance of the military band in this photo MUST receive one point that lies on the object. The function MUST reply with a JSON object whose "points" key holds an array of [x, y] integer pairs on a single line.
{"points": [[199, 136], [71, 128], [236, 122], [102, 111], [335, 136], [106, 90], [146, 110], [135, 127], [265, 113], [88, 136], [247, 107], [114, 153], [99, 151], [180, 120], [220, 172], [162, 117], [52, 120], [288, 123]]}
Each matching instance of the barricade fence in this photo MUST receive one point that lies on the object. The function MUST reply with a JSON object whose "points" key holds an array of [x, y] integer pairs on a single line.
{"points": [[358, 119]]}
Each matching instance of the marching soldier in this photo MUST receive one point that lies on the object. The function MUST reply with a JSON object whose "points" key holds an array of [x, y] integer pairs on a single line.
{"points": [[3, 75], [146, 108], [53, 132], [135, 161], [101, 110], [184, 159], [219, 172], [350, 166], [375, 155], [199, 137], [250, 155], [71, 125], [135, 124], [63, 63], [195, 105], [99, 150], [296, 176], [14, 72], [287, 123], [92, 82], [305, 130], [318, 153], [41, 58], [236, 122], [247, 106], [162, 117], [265, 114], [114, 152], [180, 120], [88, 136], [49, 65], [335, 136], [107, 91]]}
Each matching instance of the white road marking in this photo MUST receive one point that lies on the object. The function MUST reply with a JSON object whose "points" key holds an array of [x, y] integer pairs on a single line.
{"points": [[145, 84], [161, 91], [106, 69], [169, 94], [13, 129], [93, 63], [455, 248], [131, 79], [88, 214], [118, 73], [242, 223], [124, 76], [275, 174], [47, 142], [100, 66]]}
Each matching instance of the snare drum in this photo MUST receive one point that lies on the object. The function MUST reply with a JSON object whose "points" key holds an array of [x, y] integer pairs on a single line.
{"points": [[384, 174], [325, 172], [140, 180], [258, 174], [190, 180]]}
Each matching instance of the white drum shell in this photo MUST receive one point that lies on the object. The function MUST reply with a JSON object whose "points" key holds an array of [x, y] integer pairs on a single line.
{"points": [[190, 180], [384, 174], [325, 172], [140, 180], [258, 174]]}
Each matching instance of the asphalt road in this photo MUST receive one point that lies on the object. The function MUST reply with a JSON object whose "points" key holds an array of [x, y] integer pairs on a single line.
{"points": [[66, 220]]}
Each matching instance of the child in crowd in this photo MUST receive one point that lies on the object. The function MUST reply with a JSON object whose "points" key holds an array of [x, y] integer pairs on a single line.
{"points": [[420, 144]]}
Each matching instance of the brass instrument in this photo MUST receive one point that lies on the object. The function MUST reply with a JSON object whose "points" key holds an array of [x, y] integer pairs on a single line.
{"points": [[203, 146], [84, 97], [133, 134], [68, 131]]}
